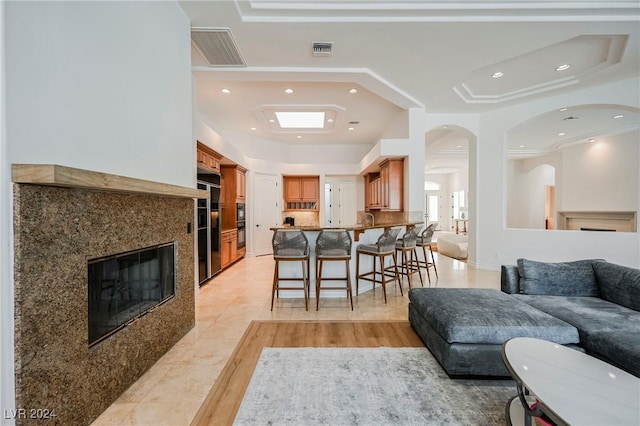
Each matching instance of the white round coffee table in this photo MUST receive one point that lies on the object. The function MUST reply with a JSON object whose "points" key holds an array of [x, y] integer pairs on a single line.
{"points": [[572, 387]]}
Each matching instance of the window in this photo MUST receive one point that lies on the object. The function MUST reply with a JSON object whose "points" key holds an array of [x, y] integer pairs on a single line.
{"points": [[431, 186], [458, 205]]}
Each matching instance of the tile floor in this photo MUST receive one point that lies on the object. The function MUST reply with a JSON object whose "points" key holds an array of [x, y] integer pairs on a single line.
{"points": [[171, 392]]}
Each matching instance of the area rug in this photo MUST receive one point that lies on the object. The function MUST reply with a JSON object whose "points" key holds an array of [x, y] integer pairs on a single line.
{"points": [[366, 386]]}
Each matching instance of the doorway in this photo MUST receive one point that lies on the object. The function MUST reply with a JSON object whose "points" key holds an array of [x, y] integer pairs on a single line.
{"points": [[432, 204], [266, 211], [340, 201]]}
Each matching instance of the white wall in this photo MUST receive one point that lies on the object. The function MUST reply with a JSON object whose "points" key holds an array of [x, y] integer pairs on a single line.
{"points": [[7, 383], [527, 194], [497, 245], [525, 189], [602, 175], [103, 86]]}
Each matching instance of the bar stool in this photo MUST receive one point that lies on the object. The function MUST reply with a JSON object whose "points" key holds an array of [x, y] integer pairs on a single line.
{"points": [[406, 246], [384, 247], [333, 245], [424, 241], [290, 245]]}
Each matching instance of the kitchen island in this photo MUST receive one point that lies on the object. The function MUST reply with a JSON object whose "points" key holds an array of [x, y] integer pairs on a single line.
{"points": [[360, 234], [357, 229]]}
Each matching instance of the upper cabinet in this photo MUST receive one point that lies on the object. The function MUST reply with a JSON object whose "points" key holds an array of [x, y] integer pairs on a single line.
{"points": [[384, 190], [301, 192], [208, 159], [235, 184]]}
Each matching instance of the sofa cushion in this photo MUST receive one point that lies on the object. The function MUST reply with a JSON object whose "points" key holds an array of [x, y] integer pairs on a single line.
{"points": [[618, 284], [617, 348], [509, 279], [588, 314], [558, 279], [486, 316]]}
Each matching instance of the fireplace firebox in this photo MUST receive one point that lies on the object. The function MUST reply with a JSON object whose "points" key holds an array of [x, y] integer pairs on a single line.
{"points": [[126, 286]]}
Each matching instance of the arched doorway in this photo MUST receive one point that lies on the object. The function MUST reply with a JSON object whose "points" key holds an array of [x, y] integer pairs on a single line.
{"points": [[448, 149]]}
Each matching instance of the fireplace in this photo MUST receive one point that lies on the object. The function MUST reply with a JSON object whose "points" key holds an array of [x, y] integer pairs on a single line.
{"points": [[125, 286], [620, 221], [134, 239]]}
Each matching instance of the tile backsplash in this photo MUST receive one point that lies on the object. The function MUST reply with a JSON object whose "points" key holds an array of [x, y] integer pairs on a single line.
{"points": [[303, 218]]}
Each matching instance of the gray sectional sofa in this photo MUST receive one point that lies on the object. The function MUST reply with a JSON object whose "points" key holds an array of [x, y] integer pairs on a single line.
{"points": [[593, 305]]}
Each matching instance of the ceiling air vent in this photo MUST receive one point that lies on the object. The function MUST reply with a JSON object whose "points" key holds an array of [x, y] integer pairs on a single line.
{"points": [[570, 118], [322, 48], [217, 46]]}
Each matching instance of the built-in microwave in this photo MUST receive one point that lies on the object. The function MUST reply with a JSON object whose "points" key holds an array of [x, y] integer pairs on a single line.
{"points": [[240, 215]]}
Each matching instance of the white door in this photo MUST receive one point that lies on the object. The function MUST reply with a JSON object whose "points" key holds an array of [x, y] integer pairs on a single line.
{"points": [[433, 208], [340, 202], [328, 204], [266, 211], [347, 204]]}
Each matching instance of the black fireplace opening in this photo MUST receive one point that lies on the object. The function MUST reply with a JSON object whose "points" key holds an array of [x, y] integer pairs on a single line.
{"points": [[126, 286]]}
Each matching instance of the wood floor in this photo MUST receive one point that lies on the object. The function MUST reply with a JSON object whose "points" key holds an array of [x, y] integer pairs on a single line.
{"points": [[222, 403]]}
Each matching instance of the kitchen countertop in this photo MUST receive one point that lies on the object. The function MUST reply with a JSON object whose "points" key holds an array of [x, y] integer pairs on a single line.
{"points": [[356, 228]]}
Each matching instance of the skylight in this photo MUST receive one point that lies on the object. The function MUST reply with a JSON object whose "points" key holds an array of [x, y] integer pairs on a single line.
{"points": [[301, 120]]}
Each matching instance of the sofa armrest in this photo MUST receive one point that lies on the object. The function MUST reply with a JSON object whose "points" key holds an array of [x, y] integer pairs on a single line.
{"points": [[509, 279]]}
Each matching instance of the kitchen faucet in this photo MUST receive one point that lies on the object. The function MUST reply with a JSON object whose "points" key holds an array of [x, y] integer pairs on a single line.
{"points": [[373, 220]]}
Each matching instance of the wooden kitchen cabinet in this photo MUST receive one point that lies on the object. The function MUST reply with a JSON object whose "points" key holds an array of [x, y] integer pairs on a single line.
{"points": [[384, 190], [373, 191], [301, 192], [235, 182], [228, 247], [207, 158], [241, 185]]}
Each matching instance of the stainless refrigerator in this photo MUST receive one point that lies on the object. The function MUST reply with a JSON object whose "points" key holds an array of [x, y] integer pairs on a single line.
{"points": [[208, 227]]}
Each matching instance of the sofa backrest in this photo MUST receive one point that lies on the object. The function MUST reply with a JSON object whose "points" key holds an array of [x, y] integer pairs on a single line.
{"points": [[575, 278], [618, 284]]}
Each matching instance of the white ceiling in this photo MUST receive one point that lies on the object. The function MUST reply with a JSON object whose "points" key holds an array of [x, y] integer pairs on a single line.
{"points": [[435, 55]]}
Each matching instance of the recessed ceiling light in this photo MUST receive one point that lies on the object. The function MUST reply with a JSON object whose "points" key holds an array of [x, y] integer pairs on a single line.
{"points": [[271, 120], [618, 116], [225, 90], [351, 128], [497, 74], [521, 146], [563, 67], [563, 109], [253, 128], [592, 140], [561, 134], [288, 91], [353, 91], [458, 146], [301, 120], [330, 120], [299, 137]]}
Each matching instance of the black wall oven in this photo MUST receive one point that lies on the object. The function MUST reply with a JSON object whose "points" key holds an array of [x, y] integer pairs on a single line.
{"points": [[240, 224], [240, 213], [242, 235]]}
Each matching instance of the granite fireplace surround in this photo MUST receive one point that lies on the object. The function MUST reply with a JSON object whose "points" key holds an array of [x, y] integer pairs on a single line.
{"points": [[57, 230]]}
